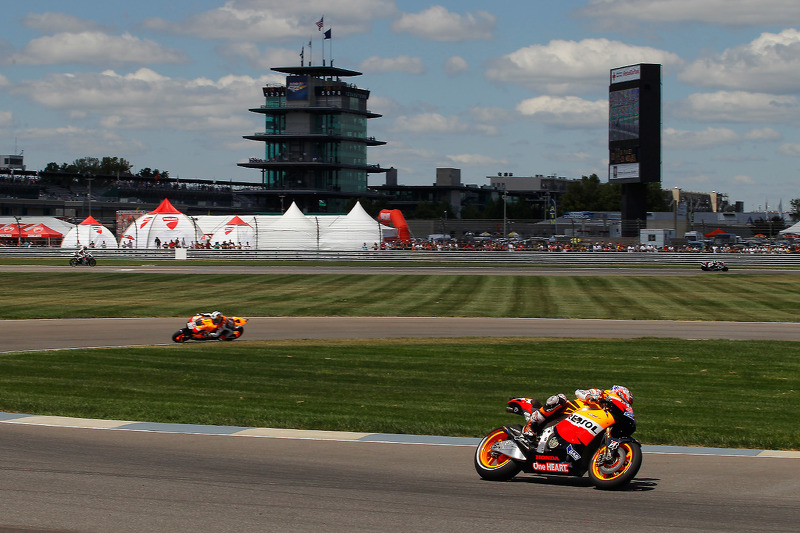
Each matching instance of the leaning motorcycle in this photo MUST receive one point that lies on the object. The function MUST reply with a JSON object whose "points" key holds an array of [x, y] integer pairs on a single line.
{"points": [[588, 436], [713, 266], [199, 328], [87, 260]]}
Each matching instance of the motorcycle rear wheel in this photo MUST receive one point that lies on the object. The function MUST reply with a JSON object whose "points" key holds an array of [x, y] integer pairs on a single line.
{"points": [[617, 475], [491, 466], [73, 262]]}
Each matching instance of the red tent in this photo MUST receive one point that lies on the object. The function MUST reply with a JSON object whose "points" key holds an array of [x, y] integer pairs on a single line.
{"points": [[40, 231], [10, 230], [716, 232]]}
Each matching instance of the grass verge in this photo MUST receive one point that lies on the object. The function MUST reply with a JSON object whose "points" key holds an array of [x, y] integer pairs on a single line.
{"points": [[736, 394], [86, 293]]}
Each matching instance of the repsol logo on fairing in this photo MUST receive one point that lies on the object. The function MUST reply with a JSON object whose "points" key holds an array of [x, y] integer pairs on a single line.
{"points": [[551, 467]]}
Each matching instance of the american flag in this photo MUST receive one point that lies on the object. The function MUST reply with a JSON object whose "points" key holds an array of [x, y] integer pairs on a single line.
{"points": [[320, 24]]}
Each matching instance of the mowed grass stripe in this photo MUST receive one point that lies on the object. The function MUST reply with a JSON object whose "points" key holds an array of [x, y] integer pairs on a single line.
{"points": [[737, 394], [743, 297]]}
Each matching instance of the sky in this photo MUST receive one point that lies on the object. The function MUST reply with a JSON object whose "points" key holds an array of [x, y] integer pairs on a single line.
{"points": [[515, 86]]}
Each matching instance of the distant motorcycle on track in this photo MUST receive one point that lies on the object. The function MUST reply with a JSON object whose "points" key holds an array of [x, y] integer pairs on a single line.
{"points": [[84, 258], [713, 266]]}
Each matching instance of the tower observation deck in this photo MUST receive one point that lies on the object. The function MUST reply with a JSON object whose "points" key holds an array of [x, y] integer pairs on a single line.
{"points": [[315, 139]]}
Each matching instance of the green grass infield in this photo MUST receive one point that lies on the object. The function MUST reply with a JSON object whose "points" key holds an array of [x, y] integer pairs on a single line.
{"points": [[92, 293], [735, 394]]}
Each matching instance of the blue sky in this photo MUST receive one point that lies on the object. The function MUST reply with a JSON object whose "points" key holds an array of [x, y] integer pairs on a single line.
{"points": [[487, 87]]}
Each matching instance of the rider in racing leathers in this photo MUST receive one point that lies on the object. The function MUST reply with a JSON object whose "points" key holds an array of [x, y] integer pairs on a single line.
{"points": [[556, 403], [219, 321]]}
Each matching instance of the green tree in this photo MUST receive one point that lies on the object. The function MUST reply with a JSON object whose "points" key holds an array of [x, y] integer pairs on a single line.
{"points": [[795, 203], [114, 165]]}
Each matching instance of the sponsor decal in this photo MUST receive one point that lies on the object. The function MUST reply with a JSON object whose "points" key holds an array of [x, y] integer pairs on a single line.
{"points": [[551, 467], [97, 229], [629, 414], [584, 423], [633, 72], [171, 222], [145, 222], [547, 458], [572, 453], [553, 443], [228, 230]]}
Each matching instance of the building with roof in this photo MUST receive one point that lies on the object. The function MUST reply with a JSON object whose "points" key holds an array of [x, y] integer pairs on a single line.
{"points": [[314, 140]]}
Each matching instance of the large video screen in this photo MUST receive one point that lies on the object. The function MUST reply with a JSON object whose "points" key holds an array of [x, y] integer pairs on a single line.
{"points": [[623, 115]]}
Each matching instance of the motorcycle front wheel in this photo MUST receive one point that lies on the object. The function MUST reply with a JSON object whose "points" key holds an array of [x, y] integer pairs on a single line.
{"points": [[617, 471], [180, 336], [91, 261], [491, 465]]}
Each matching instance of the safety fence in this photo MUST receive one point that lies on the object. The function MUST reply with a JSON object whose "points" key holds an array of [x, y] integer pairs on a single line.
{"points": [[423, 257]]}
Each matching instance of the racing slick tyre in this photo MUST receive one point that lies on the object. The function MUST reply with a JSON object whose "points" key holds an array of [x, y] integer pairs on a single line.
{"points": [[180, 336], [73, 262], [91, 261], [614, 473], [492, 465]]}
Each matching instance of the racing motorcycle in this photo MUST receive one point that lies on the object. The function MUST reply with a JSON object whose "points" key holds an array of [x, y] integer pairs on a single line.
{"points": [[200, 327], [587, 436], [713, 266], [85, 259]]}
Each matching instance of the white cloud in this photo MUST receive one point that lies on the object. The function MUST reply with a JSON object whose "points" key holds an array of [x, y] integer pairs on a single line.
{"points": [[455, 65], [92, 47], [562, 66], [429, 123], [81, 140], [476, 159], [59, 23], [770, 63], [491, 115], [742, 179], [687, 139], [715, 12], [277, 20], [6, 119], [258, 59], [566, 111], [763, 134], [790, 149], [739, 106], [146, 99], [438, 24], [403, 63]]}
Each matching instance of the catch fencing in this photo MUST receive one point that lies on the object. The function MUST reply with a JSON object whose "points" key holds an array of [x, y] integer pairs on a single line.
{"points": [[426, 257]]}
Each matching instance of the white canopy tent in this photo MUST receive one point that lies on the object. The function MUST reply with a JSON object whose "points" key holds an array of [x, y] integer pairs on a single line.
{"points": [[351, 232], [236, 231], [89, 233], [164, 224]]}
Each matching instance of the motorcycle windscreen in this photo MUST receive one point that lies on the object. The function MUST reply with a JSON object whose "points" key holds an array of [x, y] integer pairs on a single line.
{"points": [[583, 425]]}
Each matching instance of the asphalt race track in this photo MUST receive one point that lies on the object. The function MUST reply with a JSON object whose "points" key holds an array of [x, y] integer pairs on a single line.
{"points": [[57, 478]]}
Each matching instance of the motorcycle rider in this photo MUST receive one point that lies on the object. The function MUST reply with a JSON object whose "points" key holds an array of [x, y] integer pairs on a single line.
{"points": [[219, 320], [619, 396]]}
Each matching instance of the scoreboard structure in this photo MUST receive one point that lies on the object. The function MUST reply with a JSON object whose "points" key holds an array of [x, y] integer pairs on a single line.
{"points": [[634, 138], [634, 124]]}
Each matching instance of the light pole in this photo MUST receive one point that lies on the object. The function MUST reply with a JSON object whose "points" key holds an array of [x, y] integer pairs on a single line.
{"points": [[19, 231], [504, 214]]}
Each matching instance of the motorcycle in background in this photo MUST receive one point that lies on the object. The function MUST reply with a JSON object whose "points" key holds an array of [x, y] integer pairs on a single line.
{"points": [[85, 258], [202, 327], [713, 266]]}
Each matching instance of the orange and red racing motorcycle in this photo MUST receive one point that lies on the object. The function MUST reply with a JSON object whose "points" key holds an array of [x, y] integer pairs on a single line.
{"points": [[203, 328], [587, 436]]}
